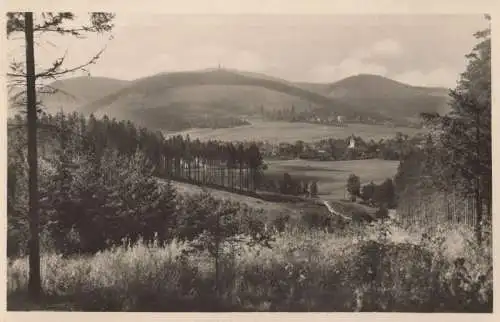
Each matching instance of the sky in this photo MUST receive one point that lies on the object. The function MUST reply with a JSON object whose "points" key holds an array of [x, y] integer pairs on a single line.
{"points": [[422, 50]]}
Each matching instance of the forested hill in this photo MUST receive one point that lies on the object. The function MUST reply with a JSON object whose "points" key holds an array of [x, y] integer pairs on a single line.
{"points": [[222, 98]]}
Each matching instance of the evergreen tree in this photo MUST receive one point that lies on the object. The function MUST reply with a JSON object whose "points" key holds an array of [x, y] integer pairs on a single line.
{"points": [[314, 189], [384, 194], [354, 185], [367, 191], [465, 133]]}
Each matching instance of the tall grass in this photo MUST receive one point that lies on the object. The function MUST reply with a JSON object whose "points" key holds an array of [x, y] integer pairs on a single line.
{"points": [[359, 270]]}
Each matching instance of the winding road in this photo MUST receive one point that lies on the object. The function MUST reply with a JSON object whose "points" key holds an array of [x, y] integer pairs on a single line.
{"points": [[333, 211]]}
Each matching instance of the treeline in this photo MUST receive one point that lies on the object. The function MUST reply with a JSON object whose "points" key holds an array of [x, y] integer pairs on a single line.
{"points": [[386, 149], [289, 185], [325, 116], [236, 166], [169, 118], [309, 116], [337, 149], [375, 195]]}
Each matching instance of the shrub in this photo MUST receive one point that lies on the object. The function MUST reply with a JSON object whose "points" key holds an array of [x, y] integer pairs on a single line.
{"points": [[280, 223], [367, 191], [317, 220], [303, 271], [384, 194]]}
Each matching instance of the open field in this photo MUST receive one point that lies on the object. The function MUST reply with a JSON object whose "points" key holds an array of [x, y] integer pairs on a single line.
{"points": [[291, 132], [332, 175]]}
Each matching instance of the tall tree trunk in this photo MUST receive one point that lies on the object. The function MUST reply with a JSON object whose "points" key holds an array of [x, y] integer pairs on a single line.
{"points": [[34, 284], [217, 253], [477, 192], [241, 176], [479, 212], [198, 169], [488, 207]]}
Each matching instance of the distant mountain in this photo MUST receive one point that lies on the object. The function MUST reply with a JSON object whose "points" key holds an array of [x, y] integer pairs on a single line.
{"points": [[184, 99], [157, 100], [75, 92], [391, 98]]}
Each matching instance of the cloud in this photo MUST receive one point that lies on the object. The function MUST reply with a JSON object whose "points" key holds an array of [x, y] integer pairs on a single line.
{"points": [[387, 47], [437, 77], [358, 62], [383, 48], [347, 67]]}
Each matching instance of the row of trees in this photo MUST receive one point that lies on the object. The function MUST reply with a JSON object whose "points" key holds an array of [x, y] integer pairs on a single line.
{"points": [[235, 166], [290, 186], [338, 148]]}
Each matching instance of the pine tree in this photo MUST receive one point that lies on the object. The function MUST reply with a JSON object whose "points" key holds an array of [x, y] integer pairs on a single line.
{"points": [[314, 189], [31, 27], [255, 164]]}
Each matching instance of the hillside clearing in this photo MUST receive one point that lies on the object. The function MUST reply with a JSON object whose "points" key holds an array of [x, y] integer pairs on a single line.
{"points": [[286, 206], [272, 209]]}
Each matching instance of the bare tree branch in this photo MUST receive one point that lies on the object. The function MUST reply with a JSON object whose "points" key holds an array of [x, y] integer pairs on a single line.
{"points": [[54, 70], [76, 32]]}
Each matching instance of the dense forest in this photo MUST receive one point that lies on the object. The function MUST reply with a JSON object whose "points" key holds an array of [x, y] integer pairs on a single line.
{"points": [[99, 182]]}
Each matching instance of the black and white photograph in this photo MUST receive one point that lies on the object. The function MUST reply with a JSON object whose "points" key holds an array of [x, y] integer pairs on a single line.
{"points": [[162, 162]]}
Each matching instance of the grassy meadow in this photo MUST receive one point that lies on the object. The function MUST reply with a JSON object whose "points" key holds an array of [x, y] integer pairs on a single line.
{"points": [[291, 132], [272, 209], [332, 175]]}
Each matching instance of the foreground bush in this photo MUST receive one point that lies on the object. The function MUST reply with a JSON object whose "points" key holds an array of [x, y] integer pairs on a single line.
{"points": [[312, 271]]}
